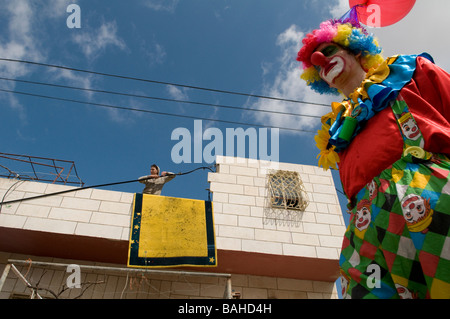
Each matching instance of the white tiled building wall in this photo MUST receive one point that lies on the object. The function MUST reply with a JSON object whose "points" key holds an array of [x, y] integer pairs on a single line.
{"points": [[89, 212], [239, 196]]}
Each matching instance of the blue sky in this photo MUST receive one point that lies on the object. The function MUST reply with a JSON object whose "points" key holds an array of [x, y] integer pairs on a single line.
{"points": [[246, 46], [220, 44]]}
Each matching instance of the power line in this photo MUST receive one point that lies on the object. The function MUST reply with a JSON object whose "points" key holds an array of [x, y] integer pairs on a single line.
{"points": [[93, 186], [160, 82], [148, 111], [156, 98]]}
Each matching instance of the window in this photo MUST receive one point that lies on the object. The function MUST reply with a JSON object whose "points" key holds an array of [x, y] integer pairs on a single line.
{"points": [[286, 191]]}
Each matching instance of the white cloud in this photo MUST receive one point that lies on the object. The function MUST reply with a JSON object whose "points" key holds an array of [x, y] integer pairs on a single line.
{"points": [[287, 84], [75, 79], [177, 93], [154, 52], [161, 5], [180, 94], [17, 43], [55, 9], [158, 54], [24, 37], [95, 42], [339, 9], [121, 116]]}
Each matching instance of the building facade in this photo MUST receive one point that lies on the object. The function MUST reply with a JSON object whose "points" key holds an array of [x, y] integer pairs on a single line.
{"points": [[278, 230]]}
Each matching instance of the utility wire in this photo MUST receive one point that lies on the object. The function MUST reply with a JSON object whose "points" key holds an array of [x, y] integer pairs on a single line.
{"points": [[96, 186], [159, 82], [148, 111], [155, 98]]}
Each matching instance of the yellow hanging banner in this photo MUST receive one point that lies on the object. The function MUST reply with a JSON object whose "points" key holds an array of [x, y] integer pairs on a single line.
{"points": [[169, 232]]}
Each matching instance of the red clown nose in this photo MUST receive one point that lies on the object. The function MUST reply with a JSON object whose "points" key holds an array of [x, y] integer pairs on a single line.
{"points": [[317, 58]]}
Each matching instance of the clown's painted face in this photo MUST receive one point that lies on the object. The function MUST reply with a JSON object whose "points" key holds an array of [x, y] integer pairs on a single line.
{"points": [[413, 207], [363, 218], [334, 62]]}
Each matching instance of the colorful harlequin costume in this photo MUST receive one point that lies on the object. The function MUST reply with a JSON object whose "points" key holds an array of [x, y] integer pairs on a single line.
{"points": [[391, 141]]}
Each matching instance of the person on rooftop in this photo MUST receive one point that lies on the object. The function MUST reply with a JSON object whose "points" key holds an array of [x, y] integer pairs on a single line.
{"points": [[390, 140], [155, 182]]}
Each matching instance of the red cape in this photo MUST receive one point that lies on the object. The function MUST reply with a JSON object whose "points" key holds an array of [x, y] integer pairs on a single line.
{"points": [[380, 143]]}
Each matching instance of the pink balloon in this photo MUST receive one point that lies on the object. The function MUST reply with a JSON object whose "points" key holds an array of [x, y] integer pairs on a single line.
{"points": [[381, 13]]}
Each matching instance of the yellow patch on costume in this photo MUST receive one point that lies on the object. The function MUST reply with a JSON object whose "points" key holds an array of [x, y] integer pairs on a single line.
{"points": [[440, 289], [399, 280], [419, 180], [360, 233], [397, 175]]}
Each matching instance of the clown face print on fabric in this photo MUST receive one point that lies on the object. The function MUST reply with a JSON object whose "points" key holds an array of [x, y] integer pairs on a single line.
{"points": [[344, 286], [373, 189], [417, 212], [409, 127], [404, 293], [363, 216]]}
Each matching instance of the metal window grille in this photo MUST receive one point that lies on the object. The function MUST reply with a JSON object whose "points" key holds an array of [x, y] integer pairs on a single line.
{"points": [[286, 191]]}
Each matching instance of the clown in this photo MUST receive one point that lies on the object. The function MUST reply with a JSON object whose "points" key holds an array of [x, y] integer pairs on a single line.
{"points": [[394, 119]]}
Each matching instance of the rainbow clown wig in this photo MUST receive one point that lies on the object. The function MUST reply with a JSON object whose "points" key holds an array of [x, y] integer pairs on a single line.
{"points": [[348, 34]]}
